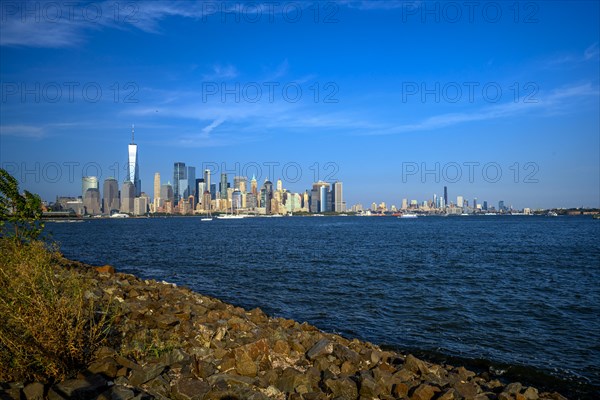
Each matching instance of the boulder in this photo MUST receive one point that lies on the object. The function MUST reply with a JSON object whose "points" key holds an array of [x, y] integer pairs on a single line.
{"points": [[190, 389], [343, 388], [321, 348], [34, 391], [145, 374], [424, 392]]}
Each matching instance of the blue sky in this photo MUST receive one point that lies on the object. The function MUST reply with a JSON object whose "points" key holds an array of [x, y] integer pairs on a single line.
{"points": [[496, 100]]}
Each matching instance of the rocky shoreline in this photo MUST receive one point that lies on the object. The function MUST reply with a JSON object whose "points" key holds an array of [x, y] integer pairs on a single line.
{"points": [[174, 343]]}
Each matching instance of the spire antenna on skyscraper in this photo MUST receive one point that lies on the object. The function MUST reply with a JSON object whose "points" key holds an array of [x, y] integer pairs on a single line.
{"points": [[132, 132]]}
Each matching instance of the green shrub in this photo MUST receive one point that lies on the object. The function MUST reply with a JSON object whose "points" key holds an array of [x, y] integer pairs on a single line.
{"points": [[49, 327]]}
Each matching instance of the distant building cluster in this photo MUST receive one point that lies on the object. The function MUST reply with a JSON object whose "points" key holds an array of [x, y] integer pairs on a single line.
{"points": [[189, 194], [438, 205]]}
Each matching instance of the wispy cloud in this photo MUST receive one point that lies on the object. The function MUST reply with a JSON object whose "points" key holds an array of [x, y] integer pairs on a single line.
{"points": [[549, 103], [24, 131], [221, 72], [591, 53], [208, 129]]}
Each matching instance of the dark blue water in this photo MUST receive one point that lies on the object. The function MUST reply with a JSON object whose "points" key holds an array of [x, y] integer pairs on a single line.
{"points": [[517, 290]]}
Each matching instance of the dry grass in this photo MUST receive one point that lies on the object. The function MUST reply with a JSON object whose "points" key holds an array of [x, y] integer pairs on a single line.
{"points": [[49, 328]]}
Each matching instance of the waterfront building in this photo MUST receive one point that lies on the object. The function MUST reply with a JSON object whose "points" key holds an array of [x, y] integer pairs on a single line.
{"points": [[140, 205], [251, 201], [88, 182], [320, 200], [279, 185], [111, 196], [485, 205], [338, 198], [405, 204], [91, 201], [179, 181], [266, 195], [236, 200], [460, 201], [206, 201], [133, 167], [127, 196], [200, 189]]}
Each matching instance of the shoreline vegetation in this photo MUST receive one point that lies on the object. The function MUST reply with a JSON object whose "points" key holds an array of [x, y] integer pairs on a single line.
{"points": [[77, 331]]}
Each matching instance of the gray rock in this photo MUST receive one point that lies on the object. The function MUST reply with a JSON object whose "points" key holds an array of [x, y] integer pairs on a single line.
{"points": [[321, 348], [86, 388], [117, 392], [147, 373]]}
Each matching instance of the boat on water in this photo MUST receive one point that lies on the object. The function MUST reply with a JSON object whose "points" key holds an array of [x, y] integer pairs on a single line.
{"points": [[408, 216], [230, 216], [206, 219], [552, 214], [119, 215], [596, 216]]}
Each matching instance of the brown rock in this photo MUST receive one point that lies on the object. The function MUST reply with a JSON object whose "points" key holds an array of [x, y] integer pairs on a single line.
{"points": [[106, 269], [413, 364], [343, 388], [468, 390], [107, 367], [244, 364], [400, 390], [450, 394], [190, 389], [424, 392], [34, 391], [281, 347], [531, 393]]}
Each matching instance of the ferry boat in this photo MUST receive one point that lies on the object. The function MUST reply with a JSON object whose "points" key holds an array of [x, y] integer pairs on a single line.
{"points": [[408, 216]]}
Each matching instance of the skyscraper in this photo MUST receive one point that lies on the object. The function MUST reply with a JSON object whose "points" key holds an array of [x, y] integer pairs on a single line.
{"points": [[91, 201], [445, 196], [157, 201], [207, 179], [133, 167], [338, 199], [266, 194], [239, 183], [223, 186], [253, 186], [179, 180], [460, 201], [191, 182], [127, 196], [88, 182], [111, 195], [166, 193]]}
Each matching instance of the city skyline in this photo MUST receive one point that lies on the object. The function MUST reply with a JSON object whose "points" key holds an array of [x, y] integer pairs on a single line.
{"points": [[396, 99]]}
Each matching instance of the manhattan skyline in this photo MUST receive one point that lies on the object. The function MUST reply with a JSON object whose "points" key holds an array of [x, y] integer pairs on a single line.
{"points": [[395, 99]]}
